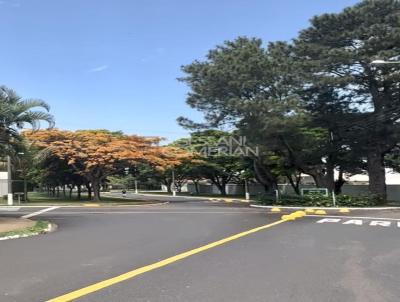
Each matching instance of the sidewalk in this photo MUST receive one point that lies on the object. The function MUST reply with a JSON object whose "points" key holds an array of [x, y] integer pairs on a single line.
{"points": [[8, 224]]}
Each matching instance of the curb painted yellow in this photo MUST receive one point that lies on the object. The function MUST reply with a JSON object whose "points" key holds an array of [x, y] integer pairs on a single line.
{"points": [[309, 211], [275, 210], [131, 274], [344, 210], [320, 212], [91, 205], [288, 217], [299, 214]]}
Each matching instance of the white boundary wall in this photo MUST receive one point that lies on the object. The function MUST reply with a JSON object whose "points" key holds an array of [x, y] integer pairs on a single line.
{"points": [[3, 183], [393, 191]]}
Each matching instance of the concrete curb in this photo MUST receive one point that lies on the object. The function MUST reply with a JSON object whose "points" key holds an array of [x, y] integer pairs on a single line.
{"points": [[10, 208], [117, 205], [198, 197], [50, 228], [323, 208]]}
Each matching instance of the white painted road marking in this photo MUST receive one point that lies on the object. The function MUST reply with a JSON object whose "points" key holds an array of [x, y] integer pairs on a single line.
{"points": [[9, 209], [329, 220], [39, 212], [382, 223], [355, 217], [354, 221], [360, 222]]}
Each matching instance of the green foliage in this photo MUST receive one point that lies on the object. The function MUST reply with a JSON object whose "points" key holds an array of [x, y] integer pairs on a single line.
{"points": [[215, 159], [317, 200], [15, 113], [313, 105], [336, 52], [121, 182]]}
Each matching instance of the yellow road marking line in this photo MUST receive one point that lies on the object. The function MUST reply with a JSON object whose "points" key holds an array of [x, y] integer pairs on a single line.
{"points": [[131, 274]]}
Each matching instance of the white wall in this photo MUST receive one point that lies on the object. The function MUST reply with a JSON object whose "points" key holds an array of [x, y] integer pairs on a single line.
{"points": [[3, 184], [393, 191]]}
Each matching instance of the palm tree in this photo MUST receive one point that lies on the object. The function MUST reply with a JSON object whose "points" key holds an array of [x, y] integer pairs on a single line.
{"points": [[16, 112]]}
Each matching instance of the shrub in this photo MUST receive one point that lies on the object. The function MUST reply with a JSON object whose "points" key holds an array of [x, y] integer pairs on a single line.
{"points": [[357, 201], [318, 200]]}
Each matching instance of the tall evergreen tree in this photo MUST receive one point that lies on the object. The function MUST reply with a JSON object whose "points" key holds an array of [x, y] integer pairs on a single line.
{"points": [[336, 52]]}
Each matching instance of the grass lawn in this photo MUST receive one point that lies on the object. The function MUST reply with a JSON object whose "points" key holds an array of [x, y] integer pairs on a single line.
{"points": [[38, 228], [195, 195], [39, 198]]}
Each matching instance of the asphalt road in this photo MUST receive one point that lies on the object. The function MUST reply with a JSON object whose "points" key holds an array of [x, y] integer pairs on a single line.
{"points": [[309, 259]]}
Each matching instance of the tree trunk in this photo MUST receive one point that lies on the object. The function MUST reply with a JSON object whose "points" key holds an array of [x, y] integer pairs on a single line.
{"points": [[295, 183], [339, 183], [196, 187], [79, 190], [63, 189], [168, 183], [178, 185], [376, 173], [89, 189], [324, 180], [221, 188], [70, 191], [26, 199], [96, 189], [265, 177]]}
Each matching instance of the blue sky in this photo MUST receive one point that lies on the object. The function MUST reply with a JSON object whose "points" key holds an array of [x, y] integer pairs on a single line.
{"points": [[113, 64]]}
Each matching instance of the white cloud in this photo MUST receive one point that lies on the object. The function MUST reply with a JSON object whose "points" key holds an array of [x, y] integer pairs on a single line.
{"points": [[99, 68]]}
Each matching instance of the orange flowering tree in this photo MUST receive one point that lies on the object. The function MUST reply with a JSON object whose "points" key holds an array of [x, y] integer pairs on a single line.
{"points": [[96, 154]]}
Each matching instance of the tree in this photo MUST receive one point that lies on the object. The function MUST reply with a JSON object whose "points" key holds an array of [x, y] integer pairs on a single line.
{"points": [[241, 80], [96, 154], [22, 160], [15, 113], [259, 91], [264, 92], [214, 158], [337, 51], [53, 172], [193, 170], [250, 88]]}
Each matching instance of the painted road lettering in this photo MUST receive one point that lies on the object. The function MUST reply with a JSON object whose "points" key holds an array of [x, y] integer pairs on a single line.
{"points": [[354, 221], [381, 223], [360, 222]]}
